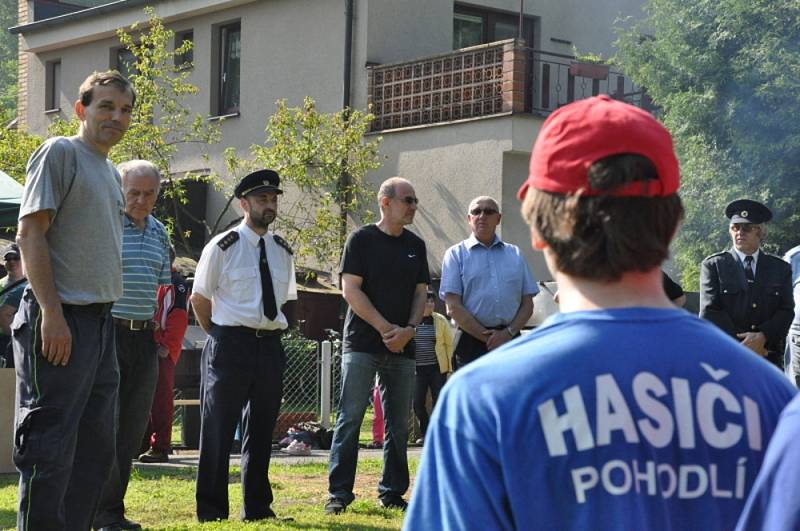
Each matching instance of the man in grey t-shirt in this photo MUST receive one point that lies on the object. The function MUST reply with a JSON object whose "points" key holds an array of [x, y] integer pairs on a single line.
{"points": [[70, 236]]}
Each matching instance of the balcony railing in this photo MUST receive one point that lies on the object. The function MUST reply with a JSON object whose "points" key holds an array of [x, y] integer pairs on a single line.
{"points": [[497, 78]]}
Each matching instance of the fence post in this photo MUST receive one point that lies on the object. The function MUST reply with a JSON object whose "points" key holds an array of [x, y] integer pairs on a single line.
{"points": [[325, 385]]}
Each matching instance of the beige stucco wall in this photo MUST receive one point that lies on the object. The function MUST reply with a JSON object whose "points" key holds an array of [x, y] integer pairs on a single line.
{"points": [[294, 48], [450, 165]]}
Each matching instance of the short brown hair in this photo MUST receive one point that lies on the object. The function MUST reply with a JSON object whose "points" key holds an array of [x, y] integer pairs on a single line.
{"points": [[601, 237], [110, 77]]}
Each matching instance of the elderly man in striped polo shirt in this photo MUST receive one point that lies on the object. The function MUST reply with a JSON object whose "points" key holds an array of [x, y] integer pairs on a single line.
{"points": [[145, 266]]}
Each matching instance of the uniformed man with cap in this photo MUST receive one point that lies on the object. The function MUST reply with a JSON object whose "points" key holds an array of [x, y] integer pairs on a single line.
{"points": [[243, 279], [745, 291]]}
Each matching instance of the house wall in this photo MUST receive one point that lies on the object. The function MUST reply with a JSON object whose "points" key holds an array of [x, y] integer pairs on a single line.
{"points": [[295, 48]]}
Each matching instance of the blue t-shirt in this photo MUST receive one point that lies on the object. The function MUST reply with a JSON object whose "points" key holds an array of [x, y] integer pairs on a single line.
{"points": [[774, 503], [633, 418]]}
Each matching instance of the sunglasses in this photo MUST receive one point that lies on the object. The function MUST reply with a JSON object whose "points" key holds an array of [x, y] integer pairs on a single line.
{"points": [[745, 227], [11, 258], [478, 211], [409, 200]]}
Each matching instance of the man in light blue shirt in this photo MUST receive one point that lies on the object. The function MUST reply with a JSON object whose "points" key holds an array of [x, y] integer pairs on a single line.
{"points": [[486, 284]]}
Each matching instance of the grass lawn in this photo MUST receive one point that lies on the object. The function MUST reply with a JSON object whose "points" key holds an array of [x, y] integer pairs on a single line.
{"points": [[164, 498]]}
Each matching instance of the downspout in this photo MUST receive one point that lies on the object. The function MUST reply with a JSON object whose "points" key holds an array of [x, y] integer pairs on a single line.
{"points": [[348, 51], [344, 179]]}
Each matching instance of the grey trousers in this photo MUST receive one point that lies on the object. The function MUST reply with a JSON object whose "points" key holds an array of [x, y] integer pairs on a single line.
{"points": [[138, 376], [64, 425]]}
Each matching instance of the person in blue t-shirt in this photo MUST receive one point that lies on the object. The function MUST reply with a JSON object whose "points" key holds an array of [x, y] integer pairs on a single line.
{"points": [[773, 502], [621, 412]]}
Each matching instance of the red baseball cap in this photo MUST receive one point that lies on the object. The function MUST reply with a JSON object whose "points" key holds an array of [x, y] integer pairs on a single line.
{"points": [[577, 135]]}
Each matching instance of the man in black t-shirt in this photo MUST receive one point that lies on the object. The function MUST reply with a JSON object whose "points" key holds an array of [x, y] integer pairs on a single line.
{"points": [[384, 279]]}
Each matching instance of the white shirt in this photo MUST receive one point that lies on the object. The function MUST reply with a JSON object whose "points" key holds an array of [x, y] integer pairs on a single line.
{"points": [[742, 256], [230, 279]]}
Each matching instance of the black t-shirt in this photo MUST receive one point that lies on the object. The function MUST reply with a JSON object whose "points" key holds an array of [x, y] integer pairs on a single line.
{"points": [[671, 288], [391, 267]]}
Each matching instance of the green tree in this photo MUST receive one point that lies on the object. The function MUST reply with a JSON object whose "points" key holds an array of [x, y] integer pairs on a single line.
{"points": [[726, 77], [322, 159], [8, 62], [15, 149]]}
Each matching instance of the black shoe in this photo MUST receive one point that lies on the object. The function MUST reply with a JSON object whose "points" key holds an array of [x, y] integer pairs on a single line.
{"points": [[129, 525], [153, 456], [123, 525], [393, 501], [335, 505]]}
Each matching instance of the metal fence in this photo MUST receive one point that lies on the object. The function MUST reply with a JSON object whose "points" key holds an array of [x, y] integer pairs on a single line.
{"points": [[312, 385]]}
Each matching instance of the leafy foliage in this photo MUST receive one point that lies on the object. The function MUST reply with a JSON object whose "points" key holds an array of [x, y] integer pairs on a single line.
{"points": [[15, 149], [323, 159], [726, 75], [8, 63]]}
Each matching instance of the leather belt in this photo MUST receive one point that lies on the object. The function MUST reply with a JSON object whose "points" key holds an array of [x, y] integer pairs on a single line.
{"points": [[97, 308], [134, 325], [258, 332]]}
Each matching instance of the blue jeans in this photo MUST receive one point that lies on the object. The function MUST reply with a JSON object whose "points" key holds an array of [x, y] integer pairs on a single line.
{"points": [[397, 387]]}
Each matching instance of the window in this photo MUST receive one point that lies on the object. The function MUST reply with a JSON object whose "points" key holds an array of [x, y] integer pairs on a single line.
{"points": [[52, 97], [473, 26], [467, 30], [186, 59], [124, 62], [230, 40]]}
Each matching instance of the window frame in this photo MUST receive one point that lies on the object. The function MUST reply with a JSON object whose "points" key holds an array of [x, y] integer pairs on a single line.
{"points": [[52, 97], [223, 31], [184, 61], [490, 18], [116, 62]]}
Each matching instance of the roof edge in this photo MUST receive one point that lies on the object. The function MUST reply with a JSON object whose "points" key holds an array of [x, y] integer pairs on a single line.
{"points": [[89, 12]]}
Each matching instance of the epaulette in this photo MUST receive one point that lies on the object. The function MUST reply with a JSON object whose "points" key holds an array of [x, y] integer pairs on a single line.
{"points": [[280, 241], [228, 240], [721, 253]]}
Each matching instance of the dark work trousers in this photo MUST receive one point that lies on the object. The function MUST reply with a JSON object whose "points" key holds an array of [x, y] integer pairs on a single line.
{"points": [[241, 378], [428, 377], [138, 374], [64, 429], [467, 349]]}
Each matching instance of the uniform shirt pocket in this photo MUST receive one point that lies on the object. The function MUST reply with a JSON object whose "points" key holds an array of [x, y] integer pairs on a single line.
{"points": [[242, 280], [280, 279]]}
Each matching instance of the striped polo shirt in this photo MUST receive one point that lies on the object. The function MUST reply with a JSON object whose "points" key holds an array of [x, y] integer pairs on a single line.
{"points": [[145, 266]]}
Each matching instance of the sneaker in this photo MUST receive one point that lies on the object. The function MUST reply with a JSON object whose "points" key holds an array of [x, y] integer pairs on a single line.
{"points": [[153, 456], [335, 505], [297, 448], [393, 501], [420, 441]]}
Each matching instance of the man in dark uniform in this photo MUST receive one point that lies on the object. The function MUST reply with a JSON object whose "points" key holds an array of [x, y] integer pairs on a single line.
{"points": [[745, 291], [243, 279]]}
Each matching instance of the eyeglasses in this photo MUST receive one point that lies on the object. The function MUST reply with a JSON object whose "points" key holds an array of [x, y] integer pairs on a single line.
{"points": [[409, 200], [478, 211], [11, 258], [745, 227]]}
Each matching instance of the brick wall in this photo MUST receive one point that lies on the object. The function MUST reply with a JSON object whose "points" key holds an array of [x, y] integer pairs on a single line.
{"points": [[22, 72]]}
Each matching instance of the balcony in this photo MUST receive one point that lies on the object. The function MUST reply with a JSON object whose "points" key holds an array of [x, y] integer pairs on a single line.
{"points": [[492, 79]]}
